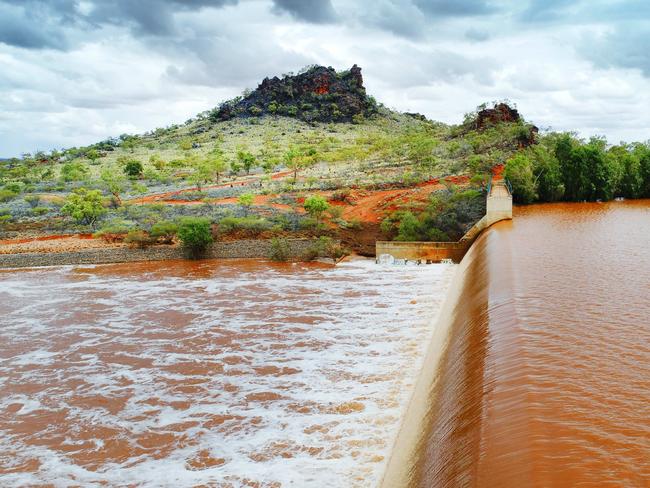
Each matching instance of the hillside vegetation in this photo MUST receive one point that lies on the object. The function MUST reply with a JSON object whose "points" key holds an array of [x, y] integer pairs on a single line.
{"points": [[250, 175]]}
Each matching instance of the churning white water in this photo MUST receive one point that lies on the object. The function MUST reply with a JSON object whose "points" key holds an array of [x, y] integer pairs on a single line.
{"points": [[231, 374]]}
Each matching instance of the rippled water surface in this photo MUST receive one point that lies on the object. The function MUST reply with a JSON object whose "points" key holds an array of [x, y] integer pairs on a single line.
{"points": [[236, 373], [546, 380]]}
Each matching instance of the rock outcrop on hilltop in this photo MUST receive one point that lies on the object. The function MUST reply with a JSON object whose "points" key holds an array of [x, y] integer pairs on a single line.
{"points": [[316, 94], [501, 112], [504, 113]]}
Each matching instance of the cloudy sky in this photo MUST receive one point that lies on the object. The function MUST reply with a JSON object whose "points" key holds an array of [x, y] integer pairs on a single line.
{"points": [[74, 72]]}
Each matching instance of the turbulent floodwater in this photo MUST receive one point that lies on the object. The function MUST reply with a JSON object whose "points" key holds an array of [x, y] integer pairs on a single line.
{"points": [[546, 379], [234, 373]]}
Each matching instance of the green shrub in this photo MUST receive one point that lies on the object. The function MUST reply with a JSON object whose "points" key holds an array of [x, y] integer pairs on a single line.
{"points": [[40, 210], [280, 250], [315, 205], [246, 200], [15, 187], [138, 238], [32, 200], [85, 206], [309, 223], [185, 144], [133, 168], [74, 171], [251, 223], [6, 195], [195, 234], [114, 231], [409, 228], [164, 231], [5, 219], [325, 247]]}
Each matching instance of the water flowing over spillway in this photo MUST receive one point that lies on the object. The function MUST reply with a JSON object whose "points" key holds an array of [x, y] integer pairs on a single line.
{"points": [[546, 376], [235, 373]]}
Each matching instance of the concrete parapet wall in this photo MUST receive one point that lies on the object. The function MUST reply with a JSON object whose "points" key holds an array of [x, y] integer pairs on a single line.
{"points": [[499, 203], [219, 250], [426, 251]]}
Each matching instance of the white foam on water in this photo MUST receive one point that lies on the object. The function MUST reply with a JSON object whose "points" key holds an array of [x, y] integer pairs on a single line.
{"points": [[282, 376]]}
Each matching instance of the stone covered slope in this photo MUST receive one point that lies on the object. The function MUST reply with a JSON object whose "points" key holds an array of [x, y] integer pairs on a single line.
{"points": [[318, 94]]}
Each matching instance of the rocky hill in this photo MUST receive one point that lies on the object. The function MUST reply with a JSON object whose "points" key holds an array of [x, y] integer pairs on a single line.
{"points": [[318, 94]]}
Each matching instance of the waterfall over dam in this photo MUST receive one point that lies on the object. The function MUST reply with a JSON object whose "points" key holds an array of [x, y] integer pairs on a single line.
{"points": [[545, 375]]}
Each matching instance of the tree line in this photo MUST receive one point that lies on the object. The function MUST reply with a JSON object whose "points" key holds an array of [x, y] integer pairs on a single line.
{"points": [[562, 167]]}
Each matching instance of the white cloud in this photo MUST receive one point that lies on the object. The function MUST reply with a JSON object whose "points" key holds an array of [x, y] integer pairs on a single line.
{"points": [[101, 79]]}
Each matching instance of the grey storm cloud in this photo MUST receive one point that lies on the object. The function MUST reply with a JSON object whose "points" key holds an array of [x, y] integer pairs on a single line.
{"points": [[149, 17], [34, 25], [455, 8], [624, 47], [314, 11], [413, 18], [572, 12], [39, 24]]}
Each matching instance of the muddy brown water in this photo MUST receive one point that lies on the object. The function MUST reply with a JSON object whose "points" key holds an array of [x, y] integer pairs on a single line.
{"points": [[213, 373], [546, 379]]}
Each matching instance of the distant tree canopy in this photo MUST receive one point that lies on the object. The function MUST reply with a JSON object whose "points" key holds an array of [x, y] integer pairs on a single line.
{"points": [[564, 168]]}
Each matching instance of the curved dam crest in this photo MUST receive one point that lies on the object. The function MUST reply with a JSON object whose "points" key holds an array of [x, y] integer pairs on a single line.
{"points": [[544, 379]]}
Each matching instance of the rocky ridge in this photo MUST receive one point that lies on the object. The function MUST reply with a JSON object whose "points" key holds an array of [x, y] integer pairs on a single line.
{"points": [[318, 94]]}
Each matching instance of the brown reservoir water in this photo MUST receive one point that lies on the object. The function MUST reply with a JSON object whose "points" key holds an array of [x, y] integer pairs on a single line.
{"points": [[546, 378]]}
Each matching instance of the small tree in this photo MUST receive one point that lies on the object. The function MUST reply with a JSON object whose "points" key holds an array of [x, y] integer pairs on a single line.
{"points": [[85, 206], [315, 206], [157, 162], [195, 235], [74, 171], [246, 200], [133, 168], [115, 184], [93, 155], [185, 144], [216, 164], [246, 160], [297, 160], [201, 175]]}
